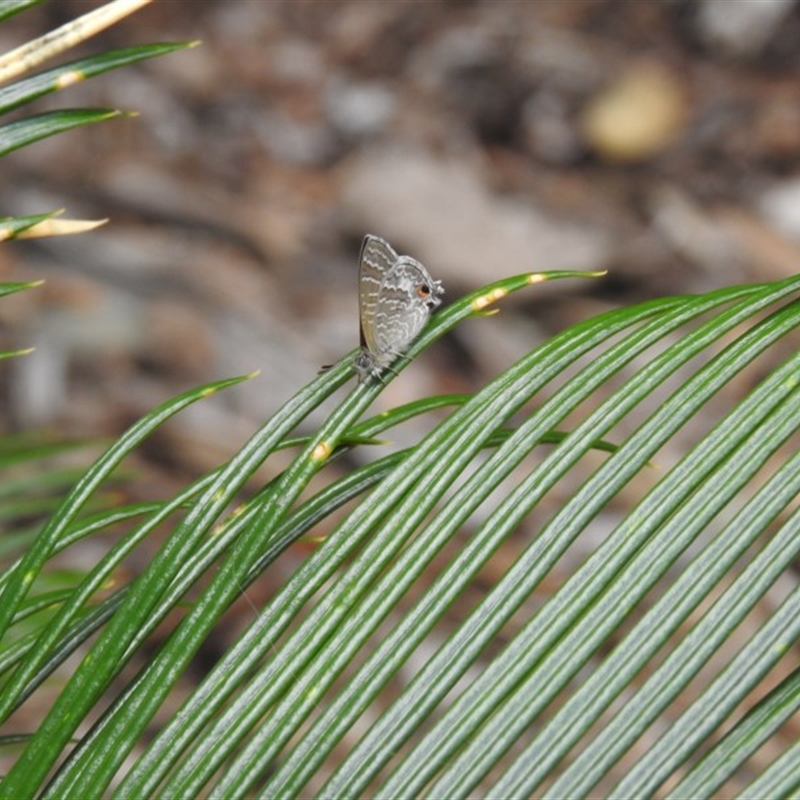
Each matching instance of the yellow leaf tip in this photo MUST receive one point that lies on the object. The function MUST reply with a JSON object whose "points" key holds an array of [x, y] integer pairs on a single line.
{"points": [[60, 227]]}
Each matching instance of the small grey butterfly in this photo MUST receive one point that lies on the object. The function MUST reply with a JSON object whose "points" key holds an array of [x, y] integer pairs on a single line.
{"points": [[396, 296]]}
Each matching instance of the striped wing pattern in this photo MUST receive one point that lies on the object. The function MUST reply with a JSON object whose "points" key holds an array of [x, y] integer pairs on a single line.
{"points": [[375, 261], [396, 297]]}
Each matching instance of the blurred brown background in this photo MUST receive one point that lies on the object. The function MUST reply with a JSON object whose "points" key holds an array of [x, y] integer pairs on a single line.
{"points": [[658, 140]]}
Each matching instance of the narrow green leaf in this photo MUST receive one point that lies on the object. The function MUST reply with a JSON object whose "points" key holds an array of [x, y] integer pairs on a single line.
{"points": [[20, 581], [47, 481], [743, 740], [12, 288], [781, 779], [448, 665], [8, 8], [679, 602], [433, 465], [740, 676], [23, 132], [93, 675], [65, 75], [94, 766], [11, 227], [21, 449], [16, 353]]}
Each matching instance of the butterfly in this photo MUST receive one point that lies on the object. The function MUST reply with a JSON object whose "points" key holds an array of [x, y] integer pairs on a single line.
{"points": [[396, 296]]}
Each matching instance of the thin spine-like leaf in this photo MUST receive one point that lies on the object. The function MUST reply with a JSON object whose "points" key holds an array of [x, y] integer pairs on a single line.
{"points": [[739, 677], [744, 739], [394, 581], [240, 770], [23, 447], [614, 675], [41, 662], [781, 779], [11, 7], [364, 432], [28, 56], [693, 514], [448, 665], [26, 131], [28, 507], [87, 527], [401, 571], [15, 353], [89, 679], [95, 765], [12, 288], [36, 484], [326, 443], [61, 227], [13, 227], [54, 80], [497, 684], [41, 602]]}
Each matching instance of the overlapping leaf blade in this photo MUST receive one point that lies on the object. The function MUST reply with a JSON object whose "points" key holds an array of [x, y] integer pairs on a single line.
{"points": [[330, 637]]}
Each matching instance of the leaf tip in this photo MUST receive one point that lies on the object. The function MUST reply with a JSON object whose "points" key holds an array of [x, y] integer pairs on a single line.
{"points": [[65, 227]]}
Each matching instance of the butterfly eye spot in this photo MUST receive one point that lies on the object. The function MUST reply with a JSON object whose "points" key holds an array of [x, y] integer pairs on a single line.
{"points": [[423, 290]]}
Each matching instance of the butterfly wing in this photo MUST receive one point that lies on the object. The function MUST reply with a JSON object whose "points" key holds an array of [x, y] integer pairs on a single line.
{"points": [[406, 298], [375, 260], [395, 298]]}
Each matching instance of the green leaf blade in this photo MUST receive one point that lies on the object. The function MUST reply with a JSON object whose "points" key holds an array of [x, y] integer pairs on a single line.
{"points": [[21, 133]]}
